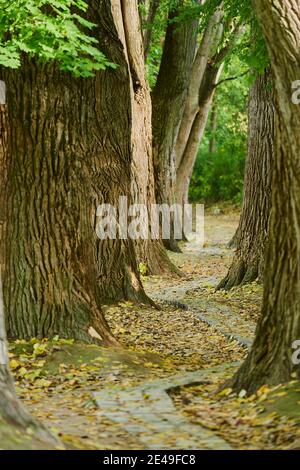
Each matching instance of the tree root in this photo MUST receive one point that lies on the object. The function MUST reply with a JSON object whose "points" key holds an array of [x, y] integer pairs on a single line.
{"points": [[239, 274]]}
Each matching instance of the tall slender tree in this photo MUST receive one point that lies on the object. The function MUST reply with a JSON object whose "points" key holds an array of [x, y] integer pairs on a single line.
{"points": [[150, 252], [201, 90], [248, 261], [206, 71], [168, 99]]}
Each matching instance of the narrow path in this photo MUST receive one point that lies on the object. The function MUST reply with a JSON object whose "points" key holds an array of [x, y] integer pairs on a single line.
{"points": [[148, 412], [133, 408], [220, 316]]}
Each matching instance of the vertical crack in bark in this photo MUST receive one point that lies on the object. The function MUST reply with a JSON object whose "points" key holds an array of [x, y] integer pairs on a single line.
{"points": [[134, 48]]}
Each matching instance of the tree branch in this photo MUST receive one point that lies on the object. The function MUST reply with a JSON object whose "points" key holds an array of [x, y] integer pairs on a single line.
{"points": [[232, 78], [220, 56], [153, 7]]}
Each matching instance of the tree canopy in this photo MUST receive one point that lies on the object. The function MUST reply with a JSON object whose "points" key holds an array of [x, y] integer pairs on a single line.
{"points": [[149, 226], [50, 30]]}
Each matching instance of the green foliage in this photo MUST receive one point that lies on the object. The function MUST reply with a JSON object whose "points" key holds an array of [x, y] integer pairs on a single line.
{"points": [[158, 28], [50, 30], [187, 10], [251, 49], [143, 269], [219, 176]]}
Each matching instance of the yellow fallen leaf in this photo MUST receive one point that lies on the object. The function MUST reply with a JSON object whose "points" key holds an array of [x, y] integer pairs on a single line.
{"points": [[14, 364], [43, 383], [280, 394]]}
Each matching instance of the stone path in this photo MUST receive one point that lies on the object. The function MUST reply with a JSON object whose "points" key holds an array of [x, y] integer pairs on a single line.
{"points": [[148, 412], [215, 314]]}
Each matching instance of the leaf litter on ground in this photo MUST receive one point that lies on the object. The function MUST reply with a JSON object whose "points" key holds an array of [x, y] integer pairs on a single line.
{"points": [[56, 377]]}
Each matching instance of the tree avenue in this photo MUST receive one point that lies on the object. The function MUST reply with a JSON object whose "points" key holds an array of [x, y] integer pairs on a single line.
{"points": [[149, 225]]}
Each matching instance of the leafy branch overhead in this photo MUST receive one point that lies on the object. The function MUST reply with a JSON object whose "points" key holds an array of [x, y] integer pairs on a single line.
{"points": [[50, 30]]}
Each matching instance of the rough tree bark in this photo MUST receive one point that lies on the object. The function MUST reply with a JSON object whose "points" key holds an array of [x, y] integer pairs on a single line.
{"points": [[149, 252], [168, 99], [248, 261], [70, 148], [3, 169], [17, 429], [271, 358]]}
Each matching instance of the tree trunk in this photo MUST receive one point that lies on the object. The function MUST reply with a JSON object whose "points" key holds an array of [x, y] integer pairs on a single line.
{"points": [[151, 253], [206, 49], [235, 239], [70, 143], [17, 428], [248, 262], [200, 95], [188, 159], [213, 129], [3, 172], [271, 358], [153, 7], [207, 68], [168, 100]]}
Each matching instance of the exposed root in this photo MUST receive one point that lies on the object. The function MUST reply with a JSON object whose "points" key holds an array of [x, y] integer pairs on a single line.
{"points": [[172, 245], [239, 274]]}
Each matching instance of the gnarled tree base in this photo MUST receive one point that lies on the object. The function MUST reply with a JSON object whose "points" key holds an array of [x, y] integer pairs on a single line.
{"points": [[240, 273], [256, 372], [155, 257], [251, 237], [172, 245]]}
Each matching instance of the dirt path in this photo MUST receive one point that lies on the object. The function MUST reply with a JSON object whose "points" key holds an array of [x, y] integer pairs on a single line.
{"points": [[119, 399]]}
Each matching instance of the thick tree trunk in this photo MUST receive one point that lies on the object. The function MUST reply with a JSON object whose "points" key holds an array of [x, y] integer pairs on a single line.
{"points": [[235, 239], [70, 147], [248, 262], [271, 358], [168, 100], [213, 126]]}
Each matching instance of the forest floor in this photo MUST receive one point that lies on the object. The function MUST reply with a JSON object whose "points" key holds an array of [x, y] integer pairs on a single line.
{"points": [[164, 390]]}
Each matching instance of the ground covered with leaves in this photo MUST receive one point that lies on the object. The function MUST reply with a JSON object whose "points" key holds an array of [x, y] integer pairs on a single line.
{"points": [[269, 419], [192, 328]]}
